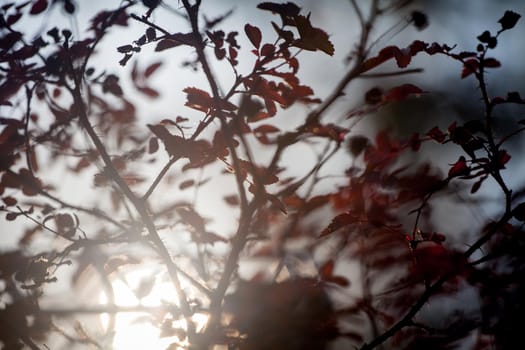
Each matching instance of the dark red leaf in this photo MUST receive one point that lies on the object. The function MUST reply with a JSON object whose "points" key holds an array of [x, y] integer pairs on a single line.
{"points": [[400, 93], [165, 44], [175, 145], [38, 7], [151, 34], [185, 184], [153, 145], [502, 158], [152, 93], [419, 19], [491, 63], [519, 212], [357, 144], [267, 50], [459, 168], [509, 20], [374, 96], [288, 9], [312, 38], [254, 34], [327, 270], [124, 48], [266, 128], [477, 185], [232, 200], [198, 99], [151, 69], [190, 217], [470, 66], [338, 222], [11, 216], [12, 19], [339, 280], [9, 201]]}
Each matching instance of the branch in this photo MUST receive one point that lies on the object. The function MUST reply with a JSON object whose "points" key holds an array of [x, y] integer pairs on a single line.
{"points": [[140, 205]]}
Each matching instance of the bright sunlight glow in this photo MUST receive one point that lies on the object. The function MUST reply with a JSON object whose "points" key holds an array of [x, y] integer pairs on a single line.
{"points": [[147, 288]]}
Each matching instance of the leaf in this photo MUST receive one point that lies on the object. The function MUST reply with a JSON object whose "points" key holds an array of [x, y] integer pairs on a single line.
{"points": [[288, 9], [477, 185], [327, 274], [9, 201], [400, 93], [232, 200], [151, 34], [151, 69], [491, 63], [267, 50], [374, 96], [125, 48], [175, 40], [509, 20], [502, 158], [519, 212], [338, 222], [403, 56], [436, 134], [165, 44], [419, 19], [266, 128], [152, 93], [175, 145], [12, 19], [485, 37], [459, 168], [198, 99], [327, 270], [38, 7], [66, 224], [153, 145], [186, 184], [339, 280], [469, 67], [190, 217], [357, 144], [11, 216], [312, 38], [254, 35]]}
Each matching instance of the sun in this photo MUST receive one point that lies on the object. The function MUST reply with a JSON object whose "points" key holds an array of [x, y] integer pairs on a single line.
{"points": [[144, 323]]}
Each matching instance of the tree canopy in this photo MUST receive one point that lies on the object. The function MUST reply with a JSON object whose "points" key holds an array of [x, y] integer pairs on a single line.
{"points": [[170, 179]]}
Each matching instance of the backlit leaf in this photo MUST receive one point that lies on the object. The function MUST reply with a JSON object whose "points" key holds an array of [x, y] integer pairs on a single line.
{"points": [[509, 20], [38, 7], [254, 34], [338, 222], [312, 38], [459, 168], [400, 93]]}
